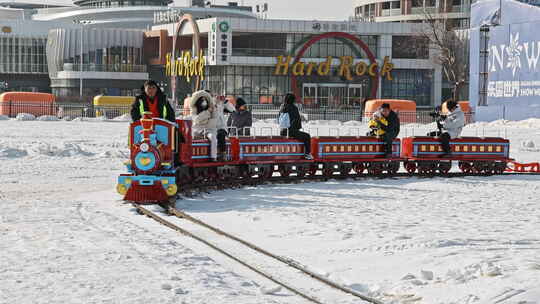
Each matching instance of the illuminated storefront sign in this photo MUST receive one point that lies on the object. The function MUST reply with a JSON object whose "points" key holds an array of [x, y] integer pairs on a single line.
{"points": [[185, 65], [346, 67]]}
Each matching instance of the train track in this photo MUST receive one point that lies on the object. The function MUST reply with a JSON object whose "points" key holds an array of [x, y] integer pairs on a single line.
{"points": [[285, 261], [203, 186]]}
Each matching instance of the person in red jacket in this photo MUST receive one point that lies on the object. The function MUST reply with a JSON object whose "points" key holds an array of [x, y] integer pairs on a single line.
{"points": [[152, 100]]}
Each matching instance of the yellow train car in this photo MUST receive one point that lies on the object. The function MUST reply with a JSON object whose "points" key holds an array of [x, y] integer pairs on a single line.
{"points": [[112, 106]]}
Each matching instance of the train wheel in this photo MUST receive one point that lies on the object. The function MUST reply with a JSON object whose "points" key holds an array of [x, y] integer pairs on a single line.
{"points": [[410, 167], [284, 171], [465, 167], [500, 167], [328, 172], [489, 168], [262, 174], [375, 169], [312, 171], [427, 168], [423, 168], [243, 172], [393, 167], [301, 171], [359, 168], [344, 170], [444, 167], [478, 167]]}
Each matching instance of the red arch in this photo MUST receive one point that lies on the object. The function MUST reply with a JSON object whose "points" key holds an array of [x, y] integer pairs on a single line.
{"points": [[197, 46], [360, 43]]}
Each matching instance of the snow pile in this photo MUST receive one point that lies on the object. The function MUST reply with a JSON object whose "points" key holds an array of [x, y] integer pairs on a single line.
{"points": [[325, 122], [531, 123], [268, 121], [25, 117], [4, 117], [12, 152], [125, 117], [48, 118], [270, 290], [92, 119], [63, 150], [354, 123], [529, 146]]}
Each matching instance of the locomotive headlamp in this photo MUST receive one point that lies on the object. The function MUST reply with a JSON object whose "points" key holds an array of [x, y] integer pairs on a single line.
{"points": [[121, 189], [171, 190], [145, 147]]}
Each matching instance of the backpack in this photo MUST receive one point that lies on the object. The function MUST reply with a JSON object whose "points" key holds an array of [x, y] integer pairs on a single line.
{"points": [[284, 121]]}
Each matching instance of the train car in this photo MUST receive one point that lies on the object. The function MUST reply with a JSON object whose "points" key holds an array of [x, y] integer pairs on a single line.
{"points": [[151, 167], [160, 163], [488, 155], [341, 154], [37, 104], [248, 156]]}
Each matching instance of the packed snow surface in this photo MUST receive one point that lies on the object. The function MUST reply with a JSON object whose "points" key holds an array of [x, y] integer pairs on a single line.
{"points": [[66, 237]]}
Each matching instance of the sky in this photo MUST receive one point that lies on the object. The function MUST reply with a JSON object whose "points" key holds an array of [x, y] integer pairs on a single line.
{"points": [[288, 9]]}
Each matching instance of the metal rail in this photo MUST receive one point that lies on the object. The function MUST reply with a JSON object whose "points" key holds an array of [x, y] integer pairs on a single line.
{"points": [[281, 179], [222, 251], [287, 261]]}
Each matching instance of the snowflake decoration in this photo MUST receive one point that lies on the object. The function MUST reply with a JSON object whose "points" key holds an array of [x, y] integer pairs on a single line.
{"points": [[514, 54]]}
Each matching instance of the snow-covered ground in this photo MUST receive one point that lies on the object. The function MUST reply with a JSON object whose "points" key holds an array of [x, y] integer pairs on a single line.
{"points": [[65, 236]]}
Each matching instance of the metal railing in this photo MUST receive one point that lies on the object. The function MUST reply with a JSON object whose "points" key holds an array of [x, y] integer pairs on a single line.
{"points": [[12, 109], [346, 114], [260, 112], [116, 67], [23, 68]]}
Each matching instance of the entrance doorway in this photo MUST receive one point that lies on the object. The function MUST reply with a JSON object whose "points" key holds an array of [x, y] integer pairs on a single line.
{"points": [[334, 95]]}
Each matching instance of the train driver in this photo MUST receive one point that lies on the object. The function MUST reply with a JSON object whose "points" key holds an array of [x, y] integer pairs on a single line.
{"points": [[152, 100]]}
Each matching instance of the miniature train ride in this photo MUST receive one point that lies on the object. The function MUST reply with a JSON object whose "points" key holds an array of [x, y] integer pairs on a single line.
{"points": [[160, 165]]}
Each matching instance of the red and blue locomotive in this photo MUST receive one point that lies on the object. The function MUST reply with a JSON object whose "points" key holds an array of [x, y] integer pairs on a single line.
{"points": [[160, 164]]}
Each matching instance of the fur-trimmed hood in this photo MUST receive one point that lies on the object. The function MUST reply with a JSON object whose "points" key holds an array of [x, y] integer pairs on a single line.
{"points": [[203, 116], [196, 96]]}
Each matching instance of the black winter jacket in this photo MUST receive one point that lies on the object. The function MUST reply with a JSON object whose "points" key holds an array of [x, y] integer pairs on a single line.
{"points": [[165, 109], [393, 124], [294, 116], [240, 120]]}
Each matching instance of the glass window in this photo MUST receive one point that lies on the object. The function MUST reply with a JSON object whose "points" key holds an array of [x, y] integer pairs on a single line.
{"points": [[417, 3], [413, 85], [396, 4], [410, 47], [386, 5]]}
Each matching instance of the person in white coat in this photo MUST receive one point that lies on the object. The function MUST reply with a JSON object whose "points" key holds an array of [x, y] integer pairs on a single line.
{"points": [[451, 126], [204, 117], [223, 107]]}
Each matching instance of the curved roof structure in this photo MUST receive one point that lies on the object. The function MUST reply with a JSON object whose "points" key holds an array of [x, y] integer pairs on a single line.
{"points": [[109, 3], [135, 17]]}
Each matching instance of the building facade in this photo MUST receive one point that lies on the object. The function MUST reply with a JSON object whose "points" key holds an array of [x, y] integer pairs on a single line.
{"points": [[326, 64], [415, 11], [99, 44], [23, 58]]}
